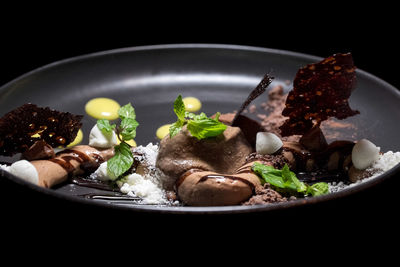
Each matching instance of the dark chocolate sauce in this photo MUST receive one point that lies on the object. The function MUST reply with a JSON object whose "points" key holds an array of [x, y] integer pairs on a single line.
{"points": [[110, 197], [71, 154], [75, 153], [92, 183], [65, 164]]}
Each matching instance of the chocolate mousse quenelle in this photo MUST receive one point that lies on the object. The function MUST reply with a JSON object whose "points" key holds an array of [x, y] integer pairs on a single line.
{"points": [[225, 159]]}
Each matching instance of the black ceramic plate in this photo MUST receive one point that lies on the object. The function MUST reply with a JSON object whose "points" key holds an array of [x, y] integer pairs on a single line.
{"points": [[221, 76]]}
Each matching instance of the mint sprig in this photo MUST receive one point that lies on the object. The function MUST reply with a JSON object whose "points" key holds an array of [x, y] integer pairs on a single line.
{"points": [[285, 181], [121, 161], [105, 126], [125, 131], [199, 126]]}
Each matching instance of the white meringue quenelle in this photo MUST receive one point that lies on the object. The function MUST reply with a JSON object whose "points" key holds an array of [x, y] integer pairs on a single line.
{"points": [[25, 170], [267, 143], [100, 140], [364, 154]]}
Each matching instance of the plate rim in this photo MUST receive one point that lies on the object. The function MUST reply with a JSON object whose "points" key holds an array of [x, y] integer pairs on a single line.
{"points": [[203, 210]]}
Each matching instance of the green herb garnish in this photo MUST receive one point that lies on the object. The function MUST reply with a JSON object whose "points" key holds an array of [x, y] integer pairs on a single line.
{"points": [[105, 126], [318, 189], [286, 181], [123, 157], [121, 161], [199, 126]]}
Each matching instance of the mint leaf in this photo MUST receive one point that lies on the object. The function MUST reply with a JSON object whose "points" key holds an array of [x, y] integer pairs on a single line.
{"points": [[217, 116], [285, 181], [179, 108], [127, 111], [175, 128], [121, 161], [318, 189], [105, 127], [203, 127], [269, 174], [291, 180], [128, 128], [200, 126], [190, 116]]}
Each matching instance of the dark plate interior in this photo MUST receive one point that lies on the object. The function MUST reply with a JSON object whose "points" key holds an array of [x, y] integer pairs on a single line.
{"points": [[221, 76]]}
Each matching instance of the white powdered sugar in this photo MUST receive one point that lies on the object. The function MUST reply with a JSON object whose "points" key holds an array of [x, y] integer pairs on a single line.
{"points": [[136, 185], [384, 163], [337, 186], [146, 186]]}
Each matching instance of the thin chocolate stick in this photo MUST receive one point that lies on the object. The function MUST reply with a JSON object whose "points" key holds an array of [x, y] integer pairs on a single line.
{"points": [[260, 89]]}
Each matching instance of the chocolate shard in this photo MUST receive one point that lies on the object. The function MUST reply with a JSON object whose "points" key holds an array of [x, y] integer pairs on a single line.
{"points": [[39, 150], [320, 91], [249, 127], [256, 92], [23, 126], [314, 139]]}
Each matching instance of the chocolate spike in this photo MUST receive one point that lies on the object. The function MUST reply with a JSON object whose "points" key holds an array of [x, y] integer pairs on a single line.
{"points": [[260, 89]]}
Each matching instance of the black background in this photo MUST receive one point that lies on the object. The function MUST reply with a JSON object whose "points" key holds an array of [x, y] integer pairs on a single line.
{"points": [[28, 43]]}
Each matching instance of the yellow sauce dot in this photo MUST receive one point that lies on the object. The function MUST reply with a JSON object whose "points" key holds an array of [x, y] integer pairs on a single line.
{"points": [[130, 142], [77, 139], [102, 108], [163, 131], [192, 104]]}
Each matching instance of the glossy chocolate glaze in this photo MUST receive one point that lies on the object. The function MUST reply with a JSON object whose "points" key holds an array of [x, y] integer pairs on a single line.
{"points": [[93, 183], [230, 177], [71, 154], [110, 197]]}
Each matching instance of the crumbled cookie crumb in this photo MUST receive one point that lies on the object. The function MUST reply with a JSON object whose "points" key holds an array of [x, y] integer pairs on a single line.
{"points": [[265, 195]]}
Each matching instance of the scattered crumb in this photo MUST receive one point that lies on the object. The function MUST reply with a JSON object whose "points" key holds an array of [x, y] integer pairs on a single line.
{"points": [[385, 162], [252, 108], [265, 195]]}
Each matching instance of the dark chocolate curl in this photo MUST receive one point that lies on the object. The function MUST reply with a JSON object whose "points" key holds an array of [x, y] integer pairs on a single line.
{"points": [[260, 89]]}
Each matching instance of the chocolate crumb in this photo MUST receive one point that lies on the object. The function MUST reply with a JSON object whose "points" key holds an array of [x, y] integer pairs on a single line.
{"points": [[265, 195], [276, 160], [252, 108]]}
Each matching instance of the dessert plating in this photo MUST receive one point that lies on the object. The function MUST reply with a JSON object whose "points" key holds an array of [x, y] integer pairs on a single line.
{"points": [[225, 159]]}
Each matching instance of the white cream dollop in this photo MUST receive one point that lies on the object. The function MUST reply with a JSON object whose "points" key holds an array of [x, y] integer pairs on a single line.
{"points": [[25, 170], [101, 173], [100, 140], [267, 143], [364, 154]]}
